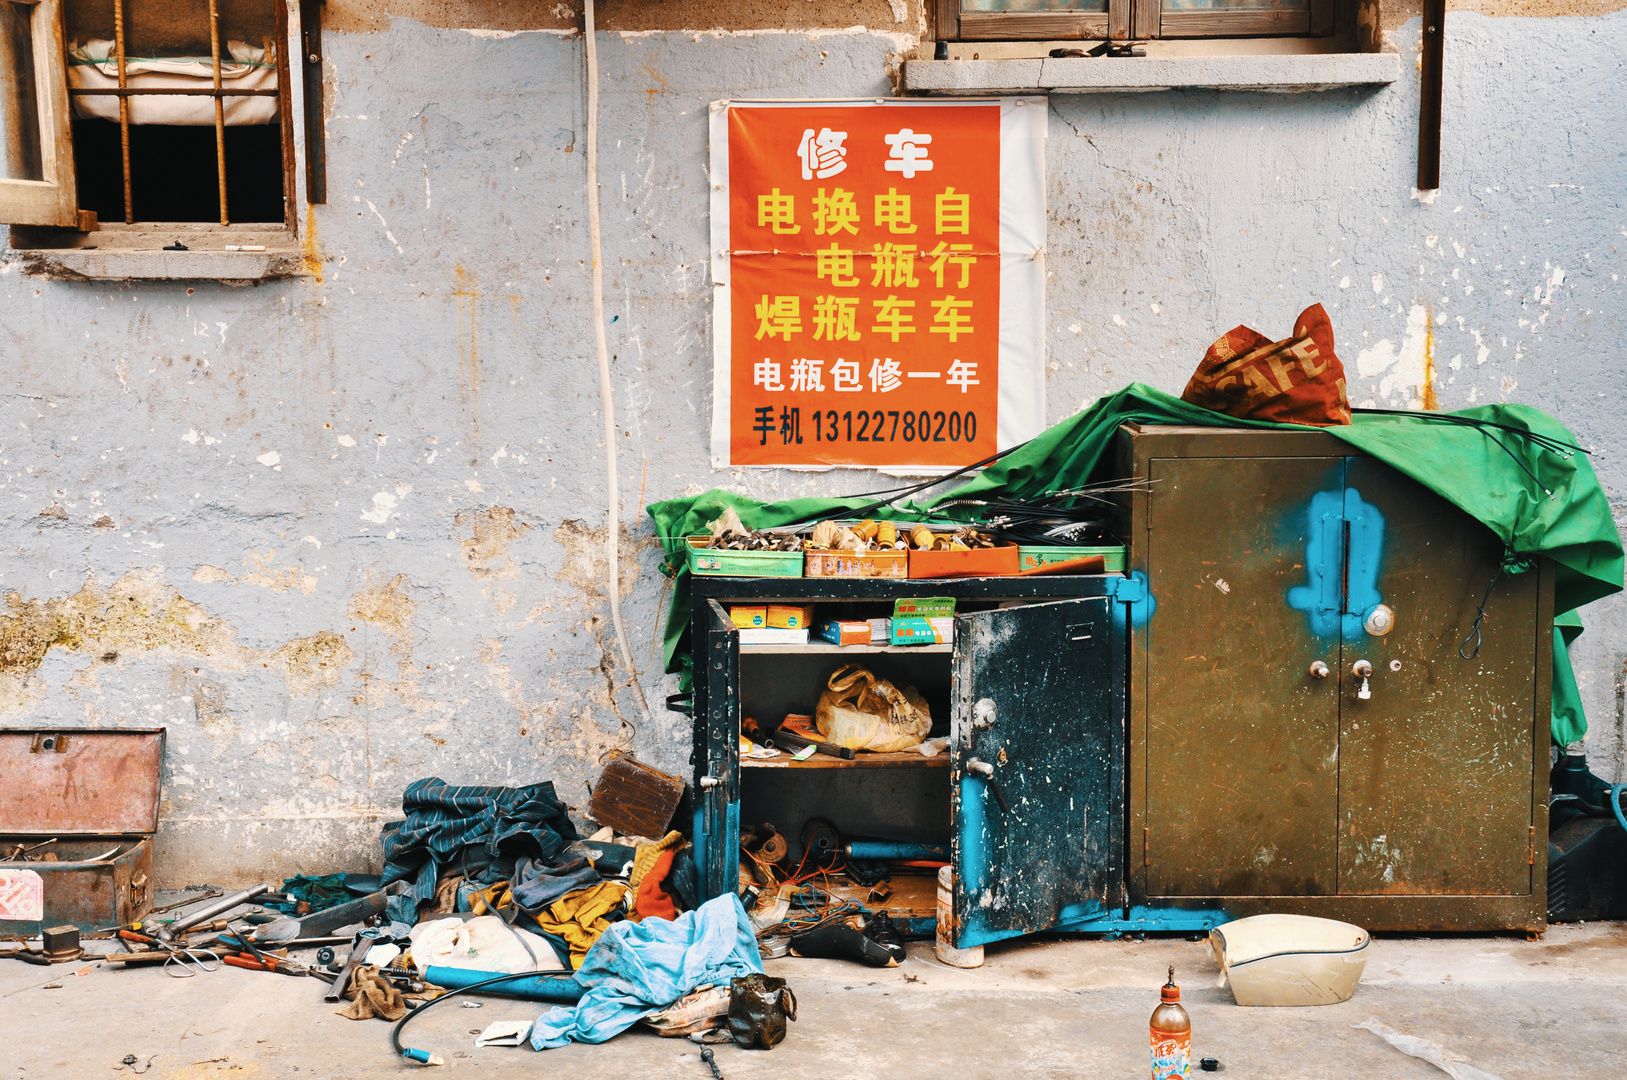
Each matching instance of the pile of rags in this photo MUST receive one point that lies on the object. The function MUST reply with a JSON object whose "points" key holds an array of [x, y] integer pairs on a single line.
{"points": [[638, 968], [481, 833]]}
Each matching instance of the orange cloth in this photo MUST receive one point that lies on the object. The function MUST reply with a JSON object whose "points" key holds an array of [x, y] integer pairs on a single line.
{"points": [[651, 900]]}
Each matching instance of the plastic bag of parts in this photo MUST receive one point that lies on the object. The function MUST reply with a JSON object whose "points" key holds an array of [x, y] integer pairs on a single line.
{"points": [[863, 712], [759, 1006]]}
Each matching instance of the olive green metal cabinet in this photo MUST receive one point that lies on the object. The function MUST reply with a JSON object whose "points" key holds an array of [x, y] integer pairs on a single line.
{"points": [[1306, 733]]}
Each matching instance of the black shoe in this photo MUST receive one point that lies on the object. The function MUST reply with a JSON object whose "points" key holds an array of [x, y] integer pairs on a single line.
{"points": [[838, 941], [881, 930]]}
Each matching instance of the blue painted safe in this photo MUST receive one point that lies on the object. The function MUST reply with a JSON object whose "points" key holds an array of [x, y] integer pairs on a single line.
{"points": [[1028, 799]]}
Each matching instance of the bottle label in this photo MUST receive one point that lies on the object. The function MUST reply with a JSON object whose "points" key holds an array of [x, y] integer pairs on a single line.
{"points": [[1171, 1054]]}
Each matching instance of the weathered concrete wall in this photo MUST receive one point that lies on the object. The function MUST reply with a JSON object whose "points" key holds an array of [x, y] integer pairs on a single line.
{"points": [[342, 532]]}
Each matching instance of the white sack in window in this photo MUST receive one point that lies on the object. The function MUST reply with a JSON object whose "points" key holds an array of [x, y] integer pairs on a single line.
{"points": [[93, 66]]}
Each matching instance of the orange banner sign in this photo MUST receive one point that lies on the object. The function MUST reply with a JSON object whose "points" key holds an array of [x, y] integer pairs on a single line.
{"points": [[880, 282]]}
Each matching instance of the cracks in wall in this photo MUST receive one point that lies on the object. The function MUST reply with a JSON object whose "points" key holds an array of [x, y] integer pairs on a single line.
{"points": [[141, 614], [584, 569], [261, 574], [389, 607], [486, 550], [1202, 241]]}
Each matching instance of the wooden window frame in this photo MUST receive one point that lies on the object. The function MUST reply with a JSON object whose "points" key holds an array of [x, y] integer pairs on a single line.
{"points": [[55, 199], [1124, 20]]}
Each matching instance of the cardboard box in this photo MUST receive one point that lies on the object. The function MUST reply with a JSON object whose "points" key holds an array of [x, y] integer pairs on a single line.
{"points": [[927, 607], [749, 618], [773, 635], [844, 631], [916, 630], [790, 617]]}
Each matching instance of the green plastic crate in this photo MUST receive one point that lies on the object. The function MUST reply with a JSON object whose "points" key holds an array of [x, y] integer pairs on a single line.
{"points": [[1033, 555], [704, 561]]}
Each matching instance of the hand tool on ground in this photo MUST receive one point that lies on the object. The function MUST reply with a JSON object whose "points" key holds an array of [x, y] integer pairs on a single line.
{"points": [[319, 923], [711, 1062], [206, 895], [358, 956], [209, 911], [269, 963], [180, 960]]}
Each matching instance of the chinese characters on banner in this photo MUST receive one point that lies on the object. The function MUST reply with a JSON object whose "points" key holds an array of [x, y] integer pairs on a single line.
{"points": [[880, 282]]}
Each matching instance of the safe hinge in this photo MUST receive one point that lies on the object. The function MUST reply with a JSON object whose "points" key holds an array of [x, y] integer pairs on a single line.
{"points": [[1531, 846], [1146, 846]]}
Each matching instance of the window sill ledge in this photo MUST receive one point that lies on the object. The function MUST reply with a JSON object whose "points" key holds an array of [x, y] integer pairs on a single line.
{"points": [[138, 264], [1097, 75]]}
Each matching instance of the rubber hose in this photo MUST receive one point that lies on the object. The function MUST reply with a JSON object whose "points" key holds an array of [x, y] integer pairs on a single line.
{"points": [[412, 1053]]}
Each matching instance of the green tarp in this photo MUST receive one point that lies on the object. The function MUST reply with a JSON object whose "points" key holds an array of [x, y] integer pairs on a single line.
{"points": [[1572, 526]]}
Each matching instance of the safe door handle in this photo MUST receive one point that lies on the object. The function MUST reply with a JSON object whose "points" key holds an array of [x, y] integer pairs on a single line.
{"points": [[984, 769]]}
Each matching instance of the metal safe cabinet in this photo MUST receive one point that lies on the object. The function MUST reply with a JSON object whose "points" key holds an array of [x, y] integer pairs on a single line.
{"points": [[1304, 733], [1029, 795]]}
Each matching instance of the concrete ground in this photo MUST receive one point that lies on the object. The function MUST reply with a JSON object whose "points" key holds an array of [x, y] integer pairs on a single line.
{"points": [[1521, 1010]]}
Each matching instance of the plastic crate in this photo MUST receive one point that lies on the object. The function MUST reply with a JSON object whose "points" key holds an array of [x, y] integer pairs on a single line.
{"points": [[1033, 555], [724, 563]]}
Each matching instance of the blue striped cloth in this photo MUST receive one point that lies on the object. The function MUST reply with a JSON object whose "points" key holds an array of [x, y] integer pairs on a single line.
{"points": [[449, 826]]}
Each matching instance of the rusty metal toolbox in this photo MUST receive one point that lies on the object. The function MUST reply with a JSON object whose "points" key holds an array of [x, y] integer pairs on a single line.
{"points": [[89, 795]]}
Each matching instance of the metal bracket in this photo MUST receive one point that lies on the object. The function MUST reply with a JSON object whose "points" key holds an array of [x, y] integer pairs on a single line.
{"points": [[1129, 590]]}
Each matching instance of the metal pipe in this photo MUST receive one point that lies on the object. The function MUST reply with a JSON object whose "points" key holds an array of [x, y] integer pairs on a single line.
{"points": [[124, 111], [220, 106], [209, 911], [894, 849]]}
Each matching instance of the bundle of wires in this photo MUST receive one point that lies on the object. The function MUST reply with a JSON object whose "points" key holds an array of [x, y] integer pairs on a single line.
{"points": [[1075, 515], [1555, 446]]}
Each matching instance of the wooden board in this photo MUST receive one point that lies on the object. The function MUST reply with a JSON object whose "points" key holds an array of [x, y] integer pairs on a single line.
{"points": [[914, 896], [635, 799]]}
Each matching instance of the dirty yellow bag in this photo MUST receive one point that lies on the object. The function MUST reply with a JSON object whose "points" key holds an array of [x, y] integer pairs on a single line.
{"points": [[863, 712]]}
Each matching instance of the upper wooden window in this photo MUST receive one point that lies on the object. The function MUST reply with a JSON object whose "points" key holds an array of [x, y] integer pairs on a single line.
{"points": [[145, 111], [1053, 20], [36, 151]]}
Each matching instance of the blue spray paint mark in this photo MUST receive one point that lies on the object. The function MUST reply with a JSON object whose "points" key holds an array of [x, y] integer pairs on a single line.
{"points": [[1136, 592], [972, 868], [1333, 602], [1366, 558]]}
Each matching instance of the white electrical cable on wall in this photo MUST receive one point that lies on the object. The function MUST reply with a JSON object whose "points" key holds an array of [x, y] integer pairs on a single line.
{"points": [[612, 522]]}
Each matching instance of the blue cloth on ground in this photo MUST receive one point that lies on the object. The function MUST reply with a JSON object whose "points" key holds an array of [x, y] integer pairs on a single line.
{"points": [[635, 969]]}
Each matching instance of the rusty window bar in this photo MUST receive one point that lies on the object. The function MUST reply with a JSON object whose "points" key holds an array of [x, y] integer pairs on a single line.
{"points": [[124, 111], [125, 92], [94, 91], [220, 105]]}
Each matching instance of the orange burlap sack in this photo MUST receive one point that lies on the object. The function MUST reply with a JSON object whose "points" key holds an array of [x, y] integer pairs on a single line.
{"points": [[1297, 380]]}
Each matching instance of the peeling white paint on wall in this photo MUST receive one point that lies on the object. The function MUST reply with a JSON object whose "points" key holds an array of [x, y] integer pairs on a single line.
{"points": [[1401, 368]]}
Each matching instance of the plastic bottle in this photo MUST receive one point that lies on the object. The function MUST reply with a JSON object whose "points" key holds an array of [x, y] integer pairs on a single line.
{"points": [[1170, 1032]]}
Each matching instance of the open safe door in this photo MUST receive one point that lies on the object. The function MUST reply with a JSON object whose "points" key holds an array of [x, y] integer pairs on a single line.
{"points": [[717, 750], [1037, 737]]}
